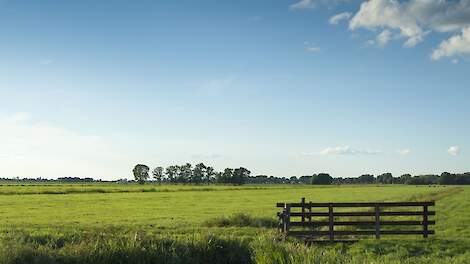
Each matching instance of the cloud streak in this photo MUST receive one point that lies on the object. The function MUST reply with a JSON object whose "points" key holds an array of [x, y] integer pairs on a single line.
{"points": [[403, 152], [302, 5], [347, 150], [311, 48], [336, 19]]}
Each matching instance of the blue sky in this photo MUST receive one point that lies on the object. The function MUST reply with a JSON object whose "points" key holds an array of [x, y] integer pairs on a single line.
{"points": [[90, 88]]}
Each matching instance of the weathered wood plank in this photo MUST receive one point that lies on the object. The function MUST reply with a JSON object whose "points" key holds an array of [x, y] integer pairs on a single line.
{"points": [[331, 223], [425, 221], [361, 223], [363, 204], [391, 213], [377, 221]]}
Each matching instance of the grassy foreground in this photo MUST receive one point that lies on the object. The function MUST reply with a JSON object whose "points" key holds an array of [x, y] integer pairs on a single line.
{"points": [[102, 223]]}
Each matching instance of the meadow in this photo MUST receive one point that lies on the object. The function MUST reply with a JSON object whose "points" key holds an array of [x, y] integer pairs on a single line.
{"points": [[127, 223]]}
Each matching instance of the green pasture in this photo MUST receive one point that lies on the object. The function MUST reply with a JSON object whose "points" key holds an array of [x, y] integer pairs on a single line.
{"points": [[93, 214], [172, 206]]}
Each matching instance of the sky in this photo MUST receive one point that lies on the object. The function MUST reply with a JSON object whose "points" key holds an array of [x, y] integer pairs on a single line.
{"points": [[285, 87]]}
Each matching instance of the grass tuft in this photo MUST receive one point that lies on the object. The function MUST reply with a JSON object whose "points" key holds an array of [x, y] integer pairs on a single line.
{"points": [[241, 220]]}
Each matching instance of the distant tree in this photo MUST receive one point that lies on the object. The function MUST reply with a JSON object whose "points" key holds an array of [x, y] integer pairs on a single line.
{"points": [[198, 173], [366, 179], [386, 178], [171, 173], [209, 174], [405, 178], [424, 179], [305, 179], [158, 174], [322, 179], [226, 176], [447, 178], [240, 175], [219, 177], [185, 173], [141, 173], [293, 180], [463, 178], [259, 179]]}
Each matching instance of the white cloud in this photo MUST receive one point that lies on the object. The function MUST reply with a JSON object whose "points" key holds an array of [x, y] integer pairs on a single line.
{"points": [[347, 150], [384, 37], [458, 44], [404, 152], [454, 150], [302, 4], [334, 20], [385, 14], [414, 19], [31, 149], [311, 48]]}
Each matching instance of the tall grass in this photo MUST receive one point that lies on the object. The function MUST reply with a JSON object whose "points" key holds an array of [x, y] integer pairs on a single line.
{"points": [[104, 248], [241, 220]]}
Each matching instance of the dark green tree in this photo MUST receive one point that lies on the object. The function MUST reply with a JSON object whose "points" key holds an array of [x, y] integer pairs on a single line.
{"points": [[322, 179], [240, 175], [305, 179], [366, 179], [386, 178], [185, 173], [405, 178], [209, 174], [226, 176], [447, 178], [293, 180], [171, 173], [141, 173], [219, 178], [198, 173], [158, 174]]}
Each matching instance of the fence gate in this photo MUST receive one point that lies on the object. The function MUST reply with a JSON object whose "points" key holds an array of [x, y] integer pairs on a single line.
{"points": [[316, 222]]}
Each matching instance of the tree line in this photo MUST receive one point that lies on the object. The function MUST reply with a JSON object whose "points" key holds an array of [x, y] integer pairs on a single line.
{"points": [[445, 178], [187, 173], [201, 173]]}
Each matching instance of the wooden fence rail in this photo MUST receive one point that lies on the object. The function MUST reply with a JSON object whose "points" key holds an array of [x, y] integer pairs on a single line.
{"points": [[300, 219]]}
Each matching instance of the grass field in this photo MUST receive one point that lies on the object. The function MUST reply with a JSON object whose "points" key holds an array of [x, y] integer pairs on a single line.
{"points": [[111, 223]]}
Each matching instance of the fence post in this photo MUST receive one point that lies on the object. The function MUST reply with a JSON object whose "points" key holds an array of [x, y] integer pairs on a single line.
{"points": [[287, 218], [377, 221], [310, 212], [331, 222], [281, 221], [425, 221], [302, 202]]}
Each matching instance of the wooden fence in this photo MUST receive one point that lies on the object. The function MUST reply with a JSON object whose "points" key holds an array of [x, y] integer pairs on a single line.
{"points": [[313, 221]]}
